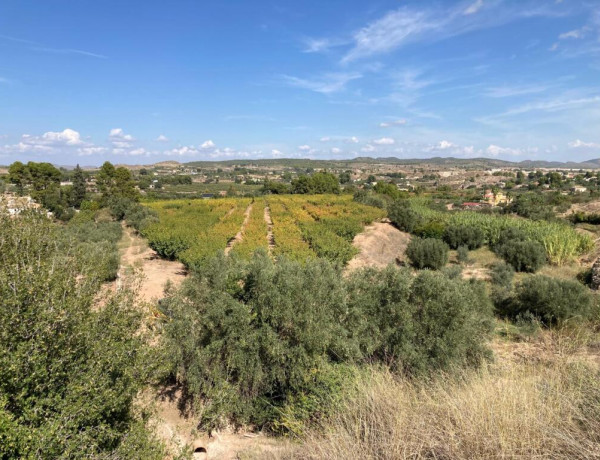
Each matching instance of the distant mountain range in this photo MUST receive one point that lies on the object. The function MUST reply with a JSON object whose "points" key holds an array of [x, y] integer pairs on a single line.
{"points": [[447, 162]]}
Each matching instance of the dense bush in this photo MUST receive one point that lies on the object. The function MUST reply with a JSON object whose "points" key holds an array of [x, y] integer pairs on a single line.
{"points": [[431, 229], [427, 253], [69, 371], [93, 243], [551, 300], [502, 275], [523, 256], [370, 199], [462, 254], [269, 343], [403, 216], [464, 235]]}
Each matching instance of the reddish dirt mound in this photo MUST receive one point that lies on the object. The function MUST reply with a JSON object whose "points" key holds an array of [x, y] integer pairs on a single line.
{"points": [[380, 244]]}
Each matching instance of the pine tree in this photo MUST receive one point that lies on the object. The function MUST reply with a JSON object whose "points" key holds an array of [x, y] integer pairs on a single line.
{"points": [[79, 187]]}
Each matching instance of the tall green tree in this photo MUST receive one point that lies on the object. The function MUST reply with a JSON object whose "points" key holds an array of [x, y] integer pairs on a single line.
{"points": [[79, 187], [18, 175]]}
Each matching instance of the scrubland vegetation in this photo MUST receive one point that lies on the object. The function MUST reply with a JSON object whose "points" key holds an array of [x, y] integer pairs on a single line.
{"points": [[403, 362]]}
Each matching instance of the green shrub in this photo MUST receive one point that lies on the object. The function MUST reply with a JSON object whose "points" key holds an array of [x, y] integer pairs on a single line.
{"points": [[502, 275], [270, 343], [418, 324], [69, 371], [464, 235], [371, 199], [553, 301], [427, 253], [431, 229], [523, 256], [462, 254], [403, 217]]}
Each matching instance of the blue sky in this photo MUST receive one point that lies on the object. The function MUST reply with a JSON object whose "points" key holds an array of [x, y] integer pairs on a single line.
{"points": [[144, 81]]}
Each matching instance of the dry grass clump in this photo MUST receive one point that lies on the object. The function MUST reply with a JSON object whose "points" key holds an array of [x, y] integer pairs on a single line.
{"points": [[532, 408]]}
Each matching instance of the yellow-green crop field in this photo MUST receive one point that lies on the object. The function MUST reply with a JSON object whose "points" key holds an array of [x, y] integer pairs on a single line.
{"points": [[304, 226]]}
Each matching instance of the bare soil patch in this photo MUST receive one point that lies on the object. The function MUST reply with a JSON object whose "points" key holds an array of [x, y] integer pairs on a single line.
{"points": [[270, 237], [137, 258], [380, 244], [240, 235]]}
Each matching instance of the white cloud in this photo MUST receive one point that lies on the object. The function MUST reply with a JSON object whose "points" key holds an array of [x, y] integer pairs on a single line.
{"points": [[119, 139], [276, 153], [326, 84], [509, 91], [443, 145], [388, 124], [336, 150], [304, 148], [162, 138], [474, 7], [580, 144], [325, 139], [574, 34], [367, 148], [207, 144], [138, 151], [554, 47], [319, 45], [182, 151], [410, 24], [353, 139], [384, 141], [495, 150], [67, 137], [87, 151]]}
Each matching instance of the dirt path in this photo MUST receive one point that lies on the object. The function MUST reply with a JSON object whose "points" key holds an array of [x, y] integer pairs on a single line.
{"points": [[270, 237], [240, 235], [138, 258], [380, 244], [177, 430]]}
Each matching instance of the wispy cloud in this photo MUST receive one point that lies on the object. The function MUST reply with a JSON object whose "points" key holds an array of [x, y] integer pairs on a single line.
{"points": [[473, 7], [510, 91], [408, 25], [326, 84], [581, 144], [35, 46]]}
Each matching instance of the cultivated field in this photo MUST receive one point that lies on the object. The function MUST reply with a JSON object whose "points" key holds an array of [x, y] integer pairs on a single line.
{"points": [[298, 227]]}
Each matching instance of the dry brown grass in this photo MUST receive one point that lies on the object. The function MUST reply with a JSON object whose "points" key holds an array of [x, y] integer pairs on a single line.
{"points": [[543, 405]]}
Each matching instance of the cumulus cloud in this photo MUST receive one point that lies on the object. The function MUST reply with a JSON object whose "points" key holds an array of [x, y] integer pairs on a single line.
{"points": [[325, 139], [162, 138], [276, 153], [119, 139], [49, 142], [443, 145], [384, 141], [336, 150], [207, 144], [304, 148], [67, 137]]}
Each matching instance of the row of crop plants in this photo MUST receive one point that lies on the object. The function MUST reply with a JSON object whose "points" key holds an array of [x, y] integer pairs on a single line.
{"points": [[304, 227], [254, 236], [192, 231], [561, 241]]}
